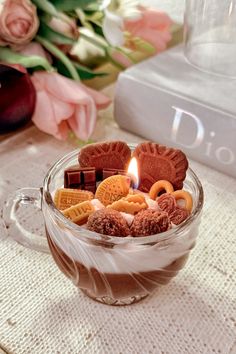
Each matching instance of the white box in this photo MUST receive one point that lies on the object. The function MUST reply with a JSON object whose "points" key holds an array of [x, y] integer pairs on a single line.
{"points": [[167, 100]]}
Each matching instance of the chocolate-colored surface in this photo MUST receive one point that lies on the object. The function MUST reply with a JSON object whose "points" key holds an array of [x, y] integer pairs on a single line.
{"points": [[179, 215], [158, 162], [108, 222], [117, 286], [80, 178], [108, 172], [114, 154], [167, 202], [150, 222]]}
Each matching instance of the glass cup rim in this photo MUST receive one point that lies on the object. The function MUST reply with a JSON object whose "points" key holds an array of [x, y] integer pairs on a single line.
{"points": [[171, 234]]}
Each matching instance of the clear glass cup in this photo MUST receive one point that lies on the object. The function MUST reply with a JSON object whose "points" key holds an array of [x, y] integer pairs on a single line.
{"points": [[112, 270], [210, 35]]}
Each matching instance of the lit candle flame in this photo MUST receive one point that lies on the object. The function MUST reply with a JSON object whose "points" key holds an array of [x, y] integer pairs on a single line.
{"points": [[133, 172]]}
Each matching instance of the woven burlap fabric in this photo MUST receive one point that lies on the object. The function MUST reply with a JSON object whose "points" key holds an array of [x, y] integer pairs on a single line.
{"points": [[42, 312]]}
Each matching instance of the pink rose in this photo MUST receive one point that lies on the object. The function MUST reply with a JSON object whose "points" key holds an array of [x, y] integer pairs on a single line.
{"points": [[18, 22], [63, 105], [153, 27]]}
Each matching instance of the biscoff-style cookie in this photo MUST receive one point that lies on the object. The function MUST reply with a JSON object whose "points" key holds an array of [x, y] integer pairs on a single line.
{"points": [[112, 189], [131, 204], [79, 213], [159, 162], [108, 222], [113, 154], [66, 197]]}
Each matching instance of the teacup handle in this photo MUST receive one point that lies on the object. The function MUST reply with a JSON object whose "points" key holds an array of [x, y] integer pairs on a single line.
{"points": [[14, 227]]}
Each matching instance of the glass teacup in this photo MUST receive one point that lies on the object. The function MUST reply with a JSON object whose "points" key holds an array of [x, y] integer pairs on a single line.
{"points": [[109, 269]]}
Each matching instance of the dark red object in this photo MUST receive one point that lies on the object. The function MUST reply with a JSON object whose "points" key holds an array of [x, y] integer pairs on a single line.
{"points": [[17, 98], [80, 178]]}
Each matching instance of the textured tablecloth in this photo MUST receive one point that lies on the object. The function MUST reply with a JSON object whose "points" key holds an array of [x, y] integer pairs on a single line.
{"points": [[42, 312]]}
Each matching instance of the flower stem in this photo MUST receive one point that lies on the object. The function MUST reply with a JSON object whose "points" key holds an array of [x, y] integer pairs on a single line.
{"points": [[107, 48], [9, 56], [60, 55], [114, 62], [93, 41]]}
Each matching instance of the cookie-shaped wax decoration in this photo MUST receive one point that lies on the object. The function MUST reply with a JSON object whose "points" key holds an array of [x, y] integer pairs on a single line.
{"points": [[167, 202], [131, 204], [112, 189], [114, 154], [108, 222], [66, 197], [184, 196], [178, 215], [150, 222], [158, 162], [79, 213], [160, 186]]}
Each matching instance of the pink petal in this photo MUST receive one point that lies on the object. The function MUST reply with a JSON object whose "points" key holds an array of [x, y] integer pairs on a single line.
{"points": [[34, 48], [101, 100], [66, 100], [121, 58], [44, 117], [156, 19], [62, 110], [83, 121], [63, 88]]}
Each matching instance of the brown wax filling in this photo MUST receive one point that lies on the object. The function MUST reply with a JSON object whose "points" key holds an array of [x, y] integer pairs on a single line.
{"points": [[117, 286]]}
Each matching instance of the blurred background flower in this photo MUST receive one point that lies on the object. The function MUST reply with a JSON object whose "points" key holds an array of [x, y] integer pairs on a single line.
{"points": [[63, 105], [152, 26], [18, 22], [116, 12], [63, 43]]}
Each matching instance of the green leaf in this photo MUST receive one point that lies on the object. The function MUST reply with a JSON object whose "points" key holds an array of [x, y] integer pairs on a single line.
{"points": [[84, 73], [54, 36], [55, 51], [9, 56], [68, 5], [47, 7]]}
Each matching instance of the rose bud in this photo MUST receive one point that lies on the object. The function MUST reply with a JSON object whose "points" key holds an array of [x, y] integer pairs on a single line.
{"points": [[17, 98]]}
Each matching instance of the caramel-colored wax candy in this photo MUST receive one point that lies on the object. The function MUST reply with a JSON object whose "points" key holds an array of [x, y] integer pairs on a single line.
{"points": [[79, 213], [112, 189], [131, 204], [66, 197]]}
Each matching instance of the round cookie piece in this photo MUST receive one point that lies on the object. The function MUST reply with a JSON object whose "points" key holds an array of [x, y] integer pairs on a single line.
{"points": [[158, 162], [112, 189], [150, 222], [113, 154], [108, 222]]}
